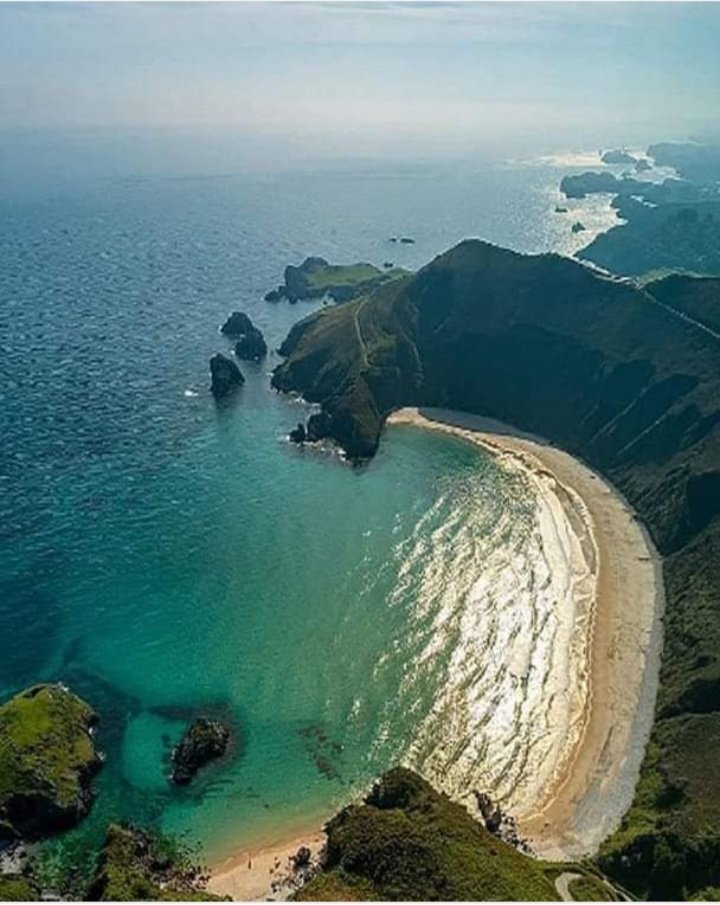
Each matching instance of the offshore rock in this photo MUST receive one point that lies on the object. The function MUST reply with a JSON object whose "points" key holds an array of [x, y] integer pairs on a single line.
{"points": [[204, 741], [237, 324], [251, 345], [225, 376]]}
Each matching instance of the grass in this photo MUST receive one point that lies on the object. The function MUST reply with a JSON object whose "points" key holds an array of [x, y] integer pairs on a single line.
{"points": [[46, 751], [408, 842], [136, 866]]}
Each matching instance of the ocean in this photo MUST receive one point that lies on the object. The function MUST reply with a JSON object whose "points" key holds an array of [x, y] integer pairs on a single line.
{"points": [[167, 557]]}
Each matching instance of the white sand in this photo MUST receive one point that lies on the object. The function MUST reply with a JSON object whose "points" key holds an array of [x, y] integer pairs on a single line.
{"points": [[263, 873], [577, 785]]}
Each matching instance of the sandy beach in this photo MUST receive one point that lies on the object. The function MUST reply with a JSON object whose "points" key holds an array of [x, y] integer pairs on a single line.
{"points": [[617, 640], [263, 873], [601, 693]]}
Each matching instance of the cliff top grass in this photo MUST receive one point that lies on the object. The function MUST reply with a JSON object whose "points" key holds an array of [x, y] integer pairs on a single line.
{"points": [[45, 749], [408, 842]]}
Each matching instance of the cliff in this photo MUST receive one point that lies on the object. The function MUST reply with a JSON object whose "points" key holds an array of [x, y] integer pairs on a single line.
{"points": [[613, 372]]}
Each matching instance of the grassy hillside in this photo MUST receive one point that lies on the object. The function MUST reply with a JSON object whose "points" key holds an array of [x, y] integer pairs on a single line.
{"points": [[615, 374], [408, 842]]}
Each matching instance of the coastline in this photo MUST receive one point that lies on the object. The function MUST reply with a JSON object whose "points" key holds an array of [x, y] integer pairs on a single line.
{"points": [[264, 872], [591, 787]]}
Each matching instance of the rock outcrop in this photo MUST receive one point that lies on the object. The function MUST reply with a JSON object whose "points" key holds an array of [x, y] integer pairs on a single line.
{"points": [[250, 345], [298, 434], [236, 325], [618, 156], [225, 376], [205, 740], [47, 761]]}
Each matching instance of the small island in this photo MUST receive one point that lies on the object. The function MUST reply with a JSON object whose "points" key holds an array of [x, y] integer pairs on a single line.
{"points": [[205, 740]]}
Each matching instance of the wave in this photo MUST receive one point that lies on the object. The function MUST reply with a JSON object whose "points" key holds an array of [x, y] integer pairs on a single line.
{"points": [[502, 581]]}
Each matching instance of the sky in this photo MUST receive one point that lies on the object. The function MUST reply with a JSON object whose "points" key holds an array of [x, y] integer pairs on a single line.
{"points": [[438, 74]]}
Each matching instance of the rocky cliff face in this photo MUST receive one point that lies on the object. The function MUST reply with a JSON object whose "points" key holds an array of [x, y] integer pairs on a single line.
{"points": [[621, 375]]}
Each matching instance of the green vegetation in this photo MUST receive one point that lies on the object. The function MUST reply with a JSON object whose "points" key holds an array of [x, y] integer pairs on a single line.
{"points": [[612, 372], [47, 757], [136, 866], [16, 888], [590, 889], [315, 278], [408, 842]]}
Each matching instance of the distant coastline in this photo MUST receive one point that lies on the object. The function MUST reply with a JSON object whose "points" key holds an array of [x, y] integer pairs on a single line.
{"points": [[593, 784]]}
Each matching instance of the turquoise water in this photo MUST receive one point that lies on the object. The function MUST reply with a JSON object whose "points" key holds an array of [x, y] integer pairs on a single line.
{"points": [[166, 557]]}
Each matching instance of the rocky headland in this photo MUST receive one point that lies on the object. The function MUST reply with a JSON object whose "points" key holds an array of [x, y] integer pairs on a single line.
{"points": [[316, 278]]}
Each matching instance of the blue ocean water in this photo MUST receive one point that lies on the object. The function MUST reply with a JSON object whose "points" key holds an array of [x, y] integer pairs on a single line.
{"points": [[165, 556]]}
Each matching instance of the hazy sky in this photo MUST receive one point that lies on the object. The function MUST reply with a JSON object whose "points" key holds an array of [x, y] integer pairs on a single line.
{"points": [[424, 71]]}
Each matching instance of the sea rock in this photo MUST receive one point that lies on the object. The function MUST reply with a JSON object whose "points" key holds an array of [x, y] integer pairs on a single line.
{"points": [[225, 376], [617, 156], [205, 740], [47, 761], [559, 209], [298, 434], [275, 295], [237, 324], [643, 165], [407, 240], [578, 227], [251, 345]]}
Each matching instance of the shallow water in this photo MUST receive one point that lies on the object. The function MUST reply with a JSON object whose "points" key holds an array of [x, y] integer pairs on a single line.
{"points": [[167, 557]]}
